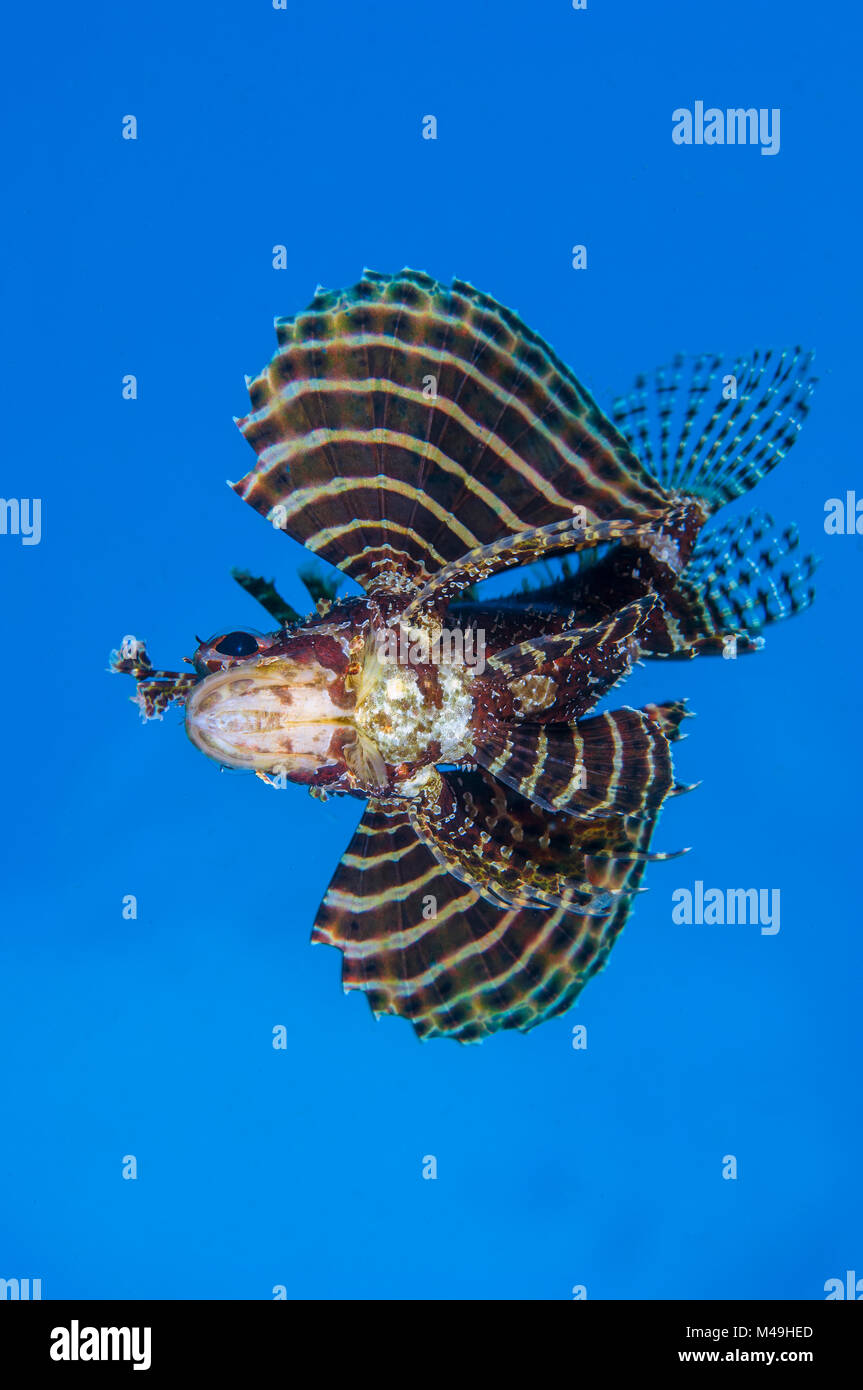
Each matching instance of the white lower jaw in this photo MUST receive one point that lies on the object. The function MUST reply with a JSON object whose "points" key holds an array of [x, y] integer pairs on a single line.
{"points": [[295, 748], [265, 718]]}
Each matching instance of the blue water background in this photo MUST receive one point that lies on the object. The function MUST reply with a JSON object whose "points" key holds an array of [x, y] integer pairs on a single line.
{"points": [[153, 1037]]}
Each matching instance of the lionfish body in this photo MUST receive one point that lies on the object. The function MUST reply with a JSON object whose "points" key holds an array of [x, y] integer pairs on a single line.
{"points": [[421, 439]]}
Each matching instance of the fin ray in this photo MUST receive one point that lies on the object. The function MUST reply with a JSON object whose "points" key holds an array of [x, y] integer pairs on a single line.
{"points": [[617, 762], [743, 416], [471, 969], [404, 423]]}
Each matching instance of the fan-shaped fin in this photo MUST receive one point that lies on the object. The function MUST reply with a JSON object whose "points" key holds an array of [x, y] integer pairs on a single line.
{"points": [[422, 944], [515, 853], [735, 575], [615, 763], [403, 424]]}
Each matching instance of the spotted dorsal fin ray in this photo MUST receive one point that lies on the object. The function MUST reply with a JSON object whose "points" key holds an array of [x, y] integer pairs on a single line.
{"points": [[422, 944], [711, 427], [404, 423], [539, 543]]}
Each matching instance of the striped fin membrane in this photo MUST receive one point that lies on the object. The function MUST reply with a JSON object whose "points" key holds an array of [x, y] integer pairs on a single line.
{"points": [[615, 763], [427, 932], [475, 910], [403, 424]]}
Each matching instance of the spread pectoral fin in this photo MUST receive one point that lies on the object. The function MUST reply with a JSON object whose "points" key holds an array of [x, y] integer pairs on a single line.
{"points": [[515, 853], [456, 960], [404, 424], [415, 939], [618, 762]]}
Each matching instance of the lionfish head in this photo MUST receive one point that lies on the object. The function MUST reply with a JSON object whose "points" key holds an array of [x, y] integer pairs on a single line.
{"points": [[280, 704]]}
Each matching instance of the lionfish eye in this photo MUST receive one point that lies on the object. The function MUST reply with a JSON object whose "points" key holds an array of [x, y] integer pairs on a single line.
{"points": [[237, 644]]}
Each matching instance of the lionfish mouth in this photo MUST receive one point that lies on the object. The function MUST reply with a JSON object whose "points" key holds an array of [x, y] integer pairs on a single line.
{"points": [[268, 715]]}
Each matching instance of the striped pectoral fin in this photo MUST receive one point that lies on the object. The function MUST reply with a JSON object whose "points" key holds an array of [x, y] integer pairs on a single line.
{"points": [[711, 427], [515, 853], [415, 939], [404, 423], [421, 944], [618, 762]]}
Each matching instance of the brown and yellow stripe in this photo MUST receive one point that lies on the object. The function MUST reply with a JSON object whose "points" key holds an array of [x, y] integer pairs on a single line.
{"points": [[403, 424], [421, 943]]}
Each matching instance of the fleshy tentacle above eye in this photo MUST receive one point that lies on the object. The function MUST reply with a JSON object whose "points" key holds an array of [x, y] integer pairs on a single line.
{"points": [[156, 690]]}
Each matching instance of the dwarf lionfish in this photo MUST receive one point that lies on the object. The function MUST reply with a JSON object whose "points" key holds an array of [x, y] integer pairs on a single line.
{"points": [[421, 438]]}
